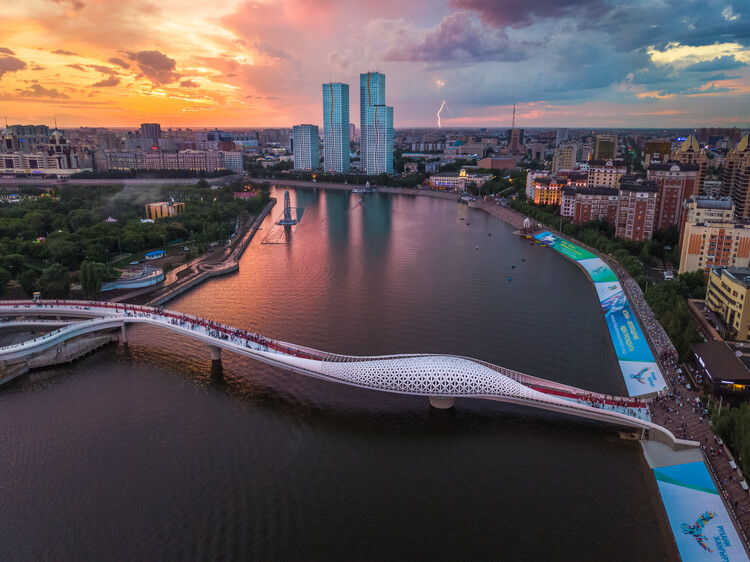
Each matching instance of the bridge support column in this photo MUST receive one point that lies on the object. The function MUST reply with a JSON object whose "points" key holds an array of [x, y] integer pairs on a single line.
{"points": [[124, 333], [217, 370], [441, 403]]}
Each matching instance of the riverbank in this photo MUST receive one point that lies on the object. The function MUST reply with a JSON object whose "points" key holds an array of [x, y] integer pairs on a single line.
{"points": [[199, 270], [676, 408]]}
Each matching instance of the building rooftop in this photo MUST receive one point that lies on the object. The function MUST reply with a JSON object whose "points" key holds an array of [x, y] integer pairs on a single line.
{"points": [[672, 164], [607, 163], [568, 190], [703, 202], [611, 191], [738, 274], [720, 361], [633, 183]]}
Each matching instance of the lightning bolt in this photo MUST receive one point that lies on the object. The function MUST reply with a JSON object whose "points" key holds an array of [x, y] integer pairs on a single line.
{"points": [[444, 106]]}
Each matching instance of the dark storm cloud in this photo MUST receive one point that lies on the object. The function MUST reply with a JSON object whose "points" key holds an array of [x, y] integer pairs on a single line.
{"points": [[156, 66], [188, 84], [65, 53], [513, 13], [456, 39], [6, 51], [727, 62]]}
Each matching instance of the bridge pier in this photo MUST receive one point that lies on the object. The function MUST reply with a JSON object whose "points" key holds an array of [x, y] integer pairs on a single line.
{"points": [[124, 333], [217, 369], [441, 403]]}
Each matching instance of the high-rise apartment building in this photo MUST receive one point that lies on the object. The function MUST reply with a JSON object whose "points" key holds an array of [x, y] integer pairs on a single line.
{"points": [[605, 147], [711, 237], [376, 125], [676, 183], [564, 158], [735, 181], [606, 173], [336, 149], [306, 147], [151, 131], [690, 152], [636, 208]]}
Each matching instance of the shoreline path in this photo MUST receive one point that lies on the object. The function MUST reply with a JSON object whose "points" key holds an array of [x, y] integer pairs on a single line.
{"points": [[679, 410]]}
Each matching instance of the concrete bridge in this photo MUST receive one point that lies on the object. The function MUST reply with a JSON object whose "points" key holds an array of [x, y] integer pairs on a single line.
{"points": [[441, 378]]}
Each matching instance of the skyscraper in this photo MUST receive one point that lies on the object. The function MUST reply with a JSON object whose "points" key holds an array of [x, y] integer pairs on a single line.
{"points": [[376, 125], [306, 147], [336, 127]]}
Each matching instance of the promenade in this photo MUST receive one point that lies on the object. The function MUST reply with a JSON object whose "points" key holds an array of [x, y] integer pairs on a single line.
{"points": [[679, 408]]}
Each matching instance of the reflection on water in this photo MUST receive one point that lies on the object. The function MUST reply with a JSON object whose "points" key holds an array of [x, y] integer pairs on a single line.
{"points": [[139, 452]]}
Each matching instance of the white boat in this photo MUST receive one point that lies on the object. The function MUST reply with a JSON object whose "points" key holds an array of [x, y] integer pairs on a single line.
{"points": [[358, 190]]}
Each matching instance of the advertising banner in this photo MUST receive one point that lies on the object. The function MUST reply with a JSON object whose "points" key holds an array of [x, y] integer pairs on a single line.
{"points": [[699, 519], [639, 368]]}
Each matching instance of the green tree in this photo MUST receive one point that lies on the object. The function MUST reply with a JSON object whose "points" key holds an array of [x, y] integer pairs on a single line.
{"points": [[28, 281], [92, 276], [55, 282], [4, 279]]}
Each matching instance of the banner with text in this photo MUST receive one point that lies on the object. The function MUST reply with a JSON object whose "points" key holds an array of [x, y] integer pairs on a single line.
{"points": [[699, 519], [639, 369]]}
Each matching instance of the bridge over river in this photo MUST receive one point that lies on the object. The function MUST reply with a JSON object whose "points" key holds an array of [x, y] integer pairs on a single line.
{"points": [[441, 378]]}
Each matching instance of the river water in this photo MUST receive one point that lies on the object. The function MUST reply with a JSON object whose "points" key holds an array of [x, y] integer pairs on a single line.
{"points": [[133, 453]]}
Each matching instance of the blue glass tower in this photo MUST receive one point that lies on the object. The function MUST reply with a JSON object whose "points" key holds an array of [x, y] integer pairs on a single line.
{"points": [[376, 125], [336, 127]]}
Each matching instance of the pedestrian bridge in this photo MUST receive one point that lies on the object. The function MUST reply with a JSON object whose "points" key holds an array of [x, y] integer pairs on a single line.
{"points": [[441, 378]]}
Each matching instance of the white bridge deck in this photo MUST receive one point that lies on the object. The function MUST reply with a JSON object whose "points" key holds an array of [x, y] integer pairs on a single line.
{"points": [[440, 377]]}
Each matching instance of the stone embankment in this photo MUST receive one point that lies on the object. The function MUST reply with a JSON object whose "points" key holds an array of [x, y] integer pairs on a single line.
{"points": [[195, 272]]}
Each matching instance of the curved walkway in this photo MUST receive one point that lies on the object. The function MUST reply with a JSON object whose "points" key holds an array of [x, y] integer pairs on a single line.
{"points": [[440, 377]]}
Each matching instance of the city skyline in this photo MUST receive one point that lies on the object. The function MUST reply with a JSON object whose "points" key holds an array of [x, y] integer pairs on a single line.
{"points": [[258, 64]]}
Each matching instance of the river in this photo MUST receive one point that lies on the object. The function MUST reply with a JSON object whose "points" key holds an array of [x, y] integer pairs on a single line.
{"points": [[133, 453]]}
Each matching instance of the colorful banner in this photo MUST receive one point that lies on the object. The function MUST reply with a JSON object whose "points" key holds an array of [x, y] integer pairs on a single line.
{"points": [[639, 368], [701, 524]]}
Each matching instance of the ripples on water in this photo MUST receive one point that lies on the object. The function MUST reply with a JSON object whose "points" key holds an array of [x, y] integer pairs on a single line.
{"points": [[134, 453]]}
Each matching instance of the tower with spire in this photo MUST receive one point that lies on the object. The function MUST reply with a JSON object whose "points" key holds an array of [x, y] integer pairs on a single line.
{"points": [[690, 152]]}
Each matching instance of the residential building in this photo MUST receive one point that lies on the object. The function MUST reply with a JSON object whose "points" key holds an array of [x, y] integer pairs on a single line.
{"points": [[233, 161], [57, 158], [336, 150], [605, 147], [595, 204], [728, 296], [151, 131], [307, 147], [459, 181], [606, 173], [196, 160], [567, 201], [735, 181], [163, 209], [676, 183], [636, 208], [531, 177], [565, 157], [24, 138], [561, 135], [547, 189], [690, 152], [712, 187], [711, 237]]}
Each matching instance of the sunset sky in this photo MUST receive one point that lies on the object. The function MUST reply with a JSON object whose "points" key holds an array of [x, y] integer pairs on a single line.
{"points": [[597, 63]]}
